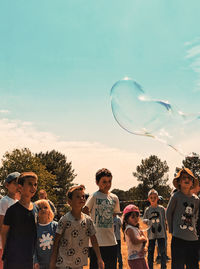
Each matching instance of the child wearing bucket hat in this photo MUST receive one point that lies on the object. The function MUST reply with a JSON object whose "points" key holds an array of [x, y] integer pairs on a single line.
{"points": [[134, 237], [182, 214]]}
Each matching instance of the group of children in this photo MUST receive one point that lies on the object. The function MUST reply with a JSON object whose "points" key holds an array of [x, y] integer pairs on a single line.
{"points": [[32, 239]]}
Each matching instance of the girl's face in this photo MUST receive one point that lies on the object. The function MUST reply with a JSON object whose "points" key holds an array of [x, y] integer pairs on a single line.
{"points": [[186, 181], [43, 211], [133, 219]]}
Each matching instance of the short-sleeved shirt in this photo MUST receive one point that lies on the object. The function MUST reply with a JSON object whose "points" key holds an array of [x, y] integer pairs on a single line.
{"points": [[5, 203], [102, 207], [74, 242], [45, 239], [134, 250], [156, 215], [22, 234]]}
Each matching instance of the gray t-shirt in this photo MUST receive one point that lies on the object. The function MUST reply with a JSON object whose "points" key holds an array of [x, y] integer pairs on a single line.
{"points": [[182, 214], [156, 215], [117, 227]]}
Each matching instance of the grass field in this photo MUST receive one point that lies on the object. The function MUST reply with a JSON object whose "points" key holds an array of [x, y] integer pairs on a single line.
{"points": [[156, 266]]}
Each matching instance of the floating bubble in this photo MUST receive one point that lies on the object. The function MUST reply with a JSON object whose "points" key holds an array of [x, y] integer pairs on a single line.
{"points": [[135, 111], [144, 224], [140, 114]]}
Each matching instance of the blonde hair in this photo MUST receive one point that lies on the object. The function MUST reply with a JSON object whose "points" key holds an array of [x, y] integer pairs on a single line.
{"points": [[44, 202]]}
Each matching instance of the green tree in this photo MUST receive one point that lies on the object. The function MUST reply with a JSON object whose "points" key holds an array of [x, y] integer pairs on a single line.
{"points": [[152, 174], [120, 194], [22, 160], [56, 164], [193, 163]]}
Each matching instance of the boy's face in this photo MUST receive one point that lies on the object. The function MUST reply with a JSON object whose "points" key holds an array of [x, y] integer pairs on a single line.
{"points": [[153, 199], [105, 184], [29, 188], [186, 181], [78, 199], [12, 187]]}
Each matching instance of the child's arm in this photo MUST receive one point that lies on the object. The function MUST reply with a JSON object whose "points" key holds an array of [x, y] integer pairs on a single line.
{"points": [[135, 239], [1, 222], [4, 233], [97, 251], [170, 212], [85, 210], [55, 251]]}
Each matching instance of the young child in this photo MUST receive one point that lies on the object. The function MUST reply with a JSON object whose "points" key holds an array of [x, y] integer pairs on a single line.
{"points": [[155, 213], [42, 194], [7, 201], [70, 249], [182, 214], [46, 229], [117, 230], [102, 205], [134, 238], [19, 228]]}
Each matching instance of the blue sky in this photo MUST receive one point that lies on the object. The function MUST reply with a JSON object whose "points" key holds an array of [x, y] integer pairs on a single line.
{"points": [[59, 60]]}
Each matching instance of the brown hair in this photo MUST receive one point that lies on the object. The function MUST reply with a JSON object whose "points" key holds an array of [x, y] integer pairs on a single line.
{"points": [[102, 173], [74, 188], [23, 176]]}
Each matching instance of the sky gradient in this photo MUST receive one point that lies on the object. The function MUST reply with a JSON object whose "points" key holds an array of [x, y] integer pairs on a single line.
{"points": [[59, 60]]}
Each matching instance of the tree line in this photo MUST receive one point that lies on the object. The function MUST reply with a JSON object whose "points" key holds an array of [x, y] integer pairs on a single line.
{"points": [[56, 175]]}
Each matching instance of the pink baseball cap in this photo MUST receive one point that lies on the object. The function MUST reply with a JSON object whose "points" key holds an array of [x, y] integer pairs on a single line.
{"points": [[130, 208]]}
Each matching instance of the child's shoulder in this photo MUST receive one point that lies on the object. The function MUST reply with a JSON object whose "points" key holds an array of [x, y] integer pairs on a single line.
{"points": [[161, 207], [133, 228], [54, 223], [195, 196]]}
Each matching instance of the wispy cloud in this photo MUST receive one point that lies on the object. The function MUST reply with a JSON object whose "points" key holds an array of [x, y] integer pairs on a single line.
{"points": [[4, 111], [193, 54], [86, 157]]}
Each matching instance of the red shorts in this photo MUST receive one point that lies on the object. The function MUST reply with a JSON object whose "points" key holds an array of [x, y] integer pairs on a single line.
{"points": [[138, 264]]}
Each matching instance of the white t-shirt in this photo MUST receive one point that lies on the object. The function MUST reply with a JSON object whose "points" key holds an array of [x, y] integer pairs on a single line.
{"points": [[102, 206], [5, 203], [73, 247], [133, 249]]}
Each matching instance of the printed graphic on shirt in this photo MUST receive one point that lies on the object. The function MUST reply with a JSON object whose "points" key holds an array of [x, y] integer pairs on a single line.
{"points": [[186, 218], [104, 213], [46, 241], [155, 222]]}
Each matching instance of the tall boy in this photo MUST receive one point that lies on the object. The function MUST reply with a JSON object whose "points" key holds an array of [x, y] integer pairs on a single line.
{"points": [[157, 232], [19, 228], [8, 200], [70, 249], [102, 205], [182, 214]]}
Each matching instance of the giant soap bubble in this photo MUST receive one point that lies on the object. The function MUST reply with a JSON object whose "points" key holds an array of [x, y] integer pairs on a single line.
{"points": [[140, 114]]}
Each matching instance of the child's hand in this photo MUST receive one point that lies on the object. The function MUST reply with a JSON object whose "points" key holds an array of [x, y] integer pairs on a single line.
{"points": [[100, 264], [36, 266], [143, 239]]}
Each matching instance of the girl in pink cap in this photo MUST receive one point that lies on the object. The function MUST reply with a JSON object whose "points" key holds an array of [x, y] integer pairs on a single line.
{"points": [[134, 237]]}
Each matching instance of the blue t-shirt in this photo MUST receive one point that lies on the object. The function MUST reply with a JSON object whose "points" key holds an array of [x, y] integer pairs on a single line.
{"points": [[45, 239]]}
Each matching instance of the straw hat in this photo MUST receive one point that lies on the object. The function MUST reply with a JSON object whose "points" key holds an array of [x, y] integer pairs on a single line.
{"points": [[189, 172]]}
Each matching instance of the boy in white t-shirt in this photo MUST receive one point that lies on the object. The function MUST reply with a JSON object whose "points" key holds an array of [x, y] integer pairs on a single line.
{"points": [[102, 205], [7, 201]]}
